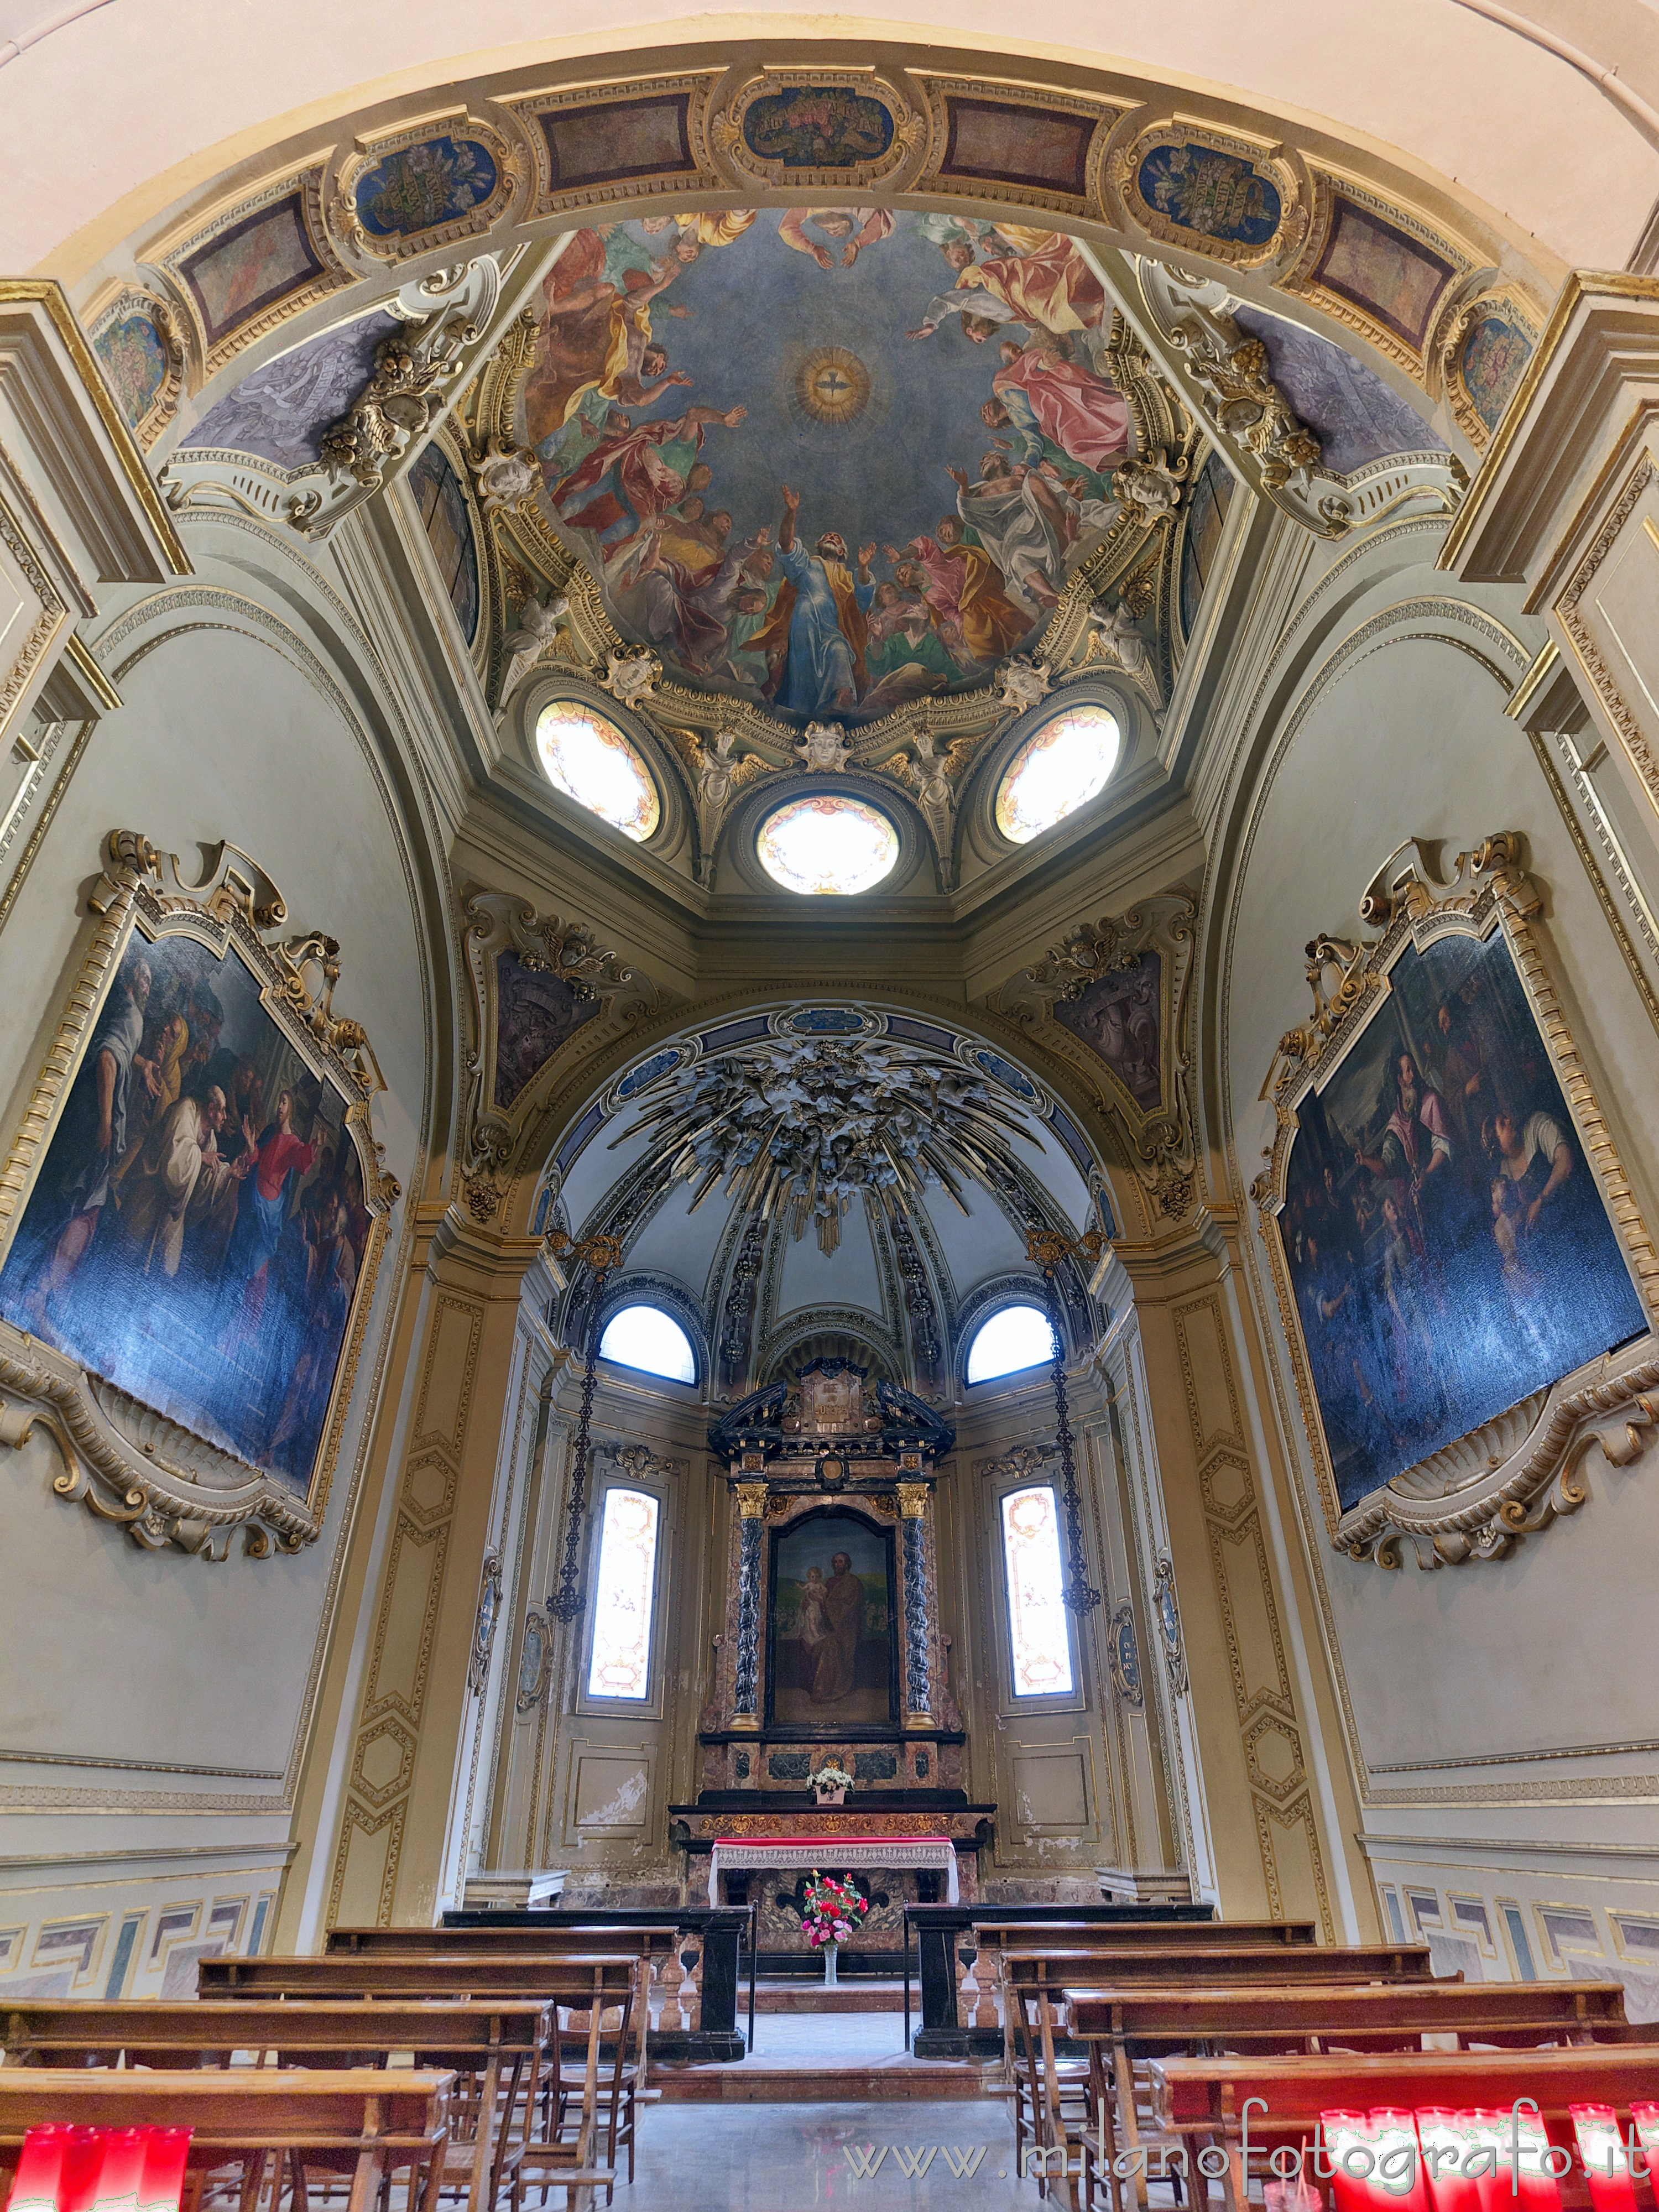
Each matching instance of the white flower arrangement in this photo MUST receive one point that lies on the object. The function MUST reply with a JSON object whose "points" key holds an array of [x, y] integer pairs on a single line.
{"points": [[831, 1777]]}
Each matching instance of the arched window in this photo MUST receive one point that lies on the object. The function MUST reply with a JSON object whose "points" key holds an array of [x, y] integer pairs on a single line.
{"points": [[647, 1338], [1038, 1634], [1017, 1337]]}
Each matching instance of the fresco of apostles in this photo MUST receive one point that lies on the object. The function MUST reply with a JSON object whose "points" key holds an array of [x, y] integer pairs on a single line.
{"points": [[1446, 1238], [198, 1231], [732, 531]]}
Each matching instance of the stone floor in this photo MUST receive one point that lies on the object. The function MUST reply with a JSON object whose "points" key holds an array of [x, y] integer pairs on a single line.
{"points": [[823, 2056], [786, 2158]]}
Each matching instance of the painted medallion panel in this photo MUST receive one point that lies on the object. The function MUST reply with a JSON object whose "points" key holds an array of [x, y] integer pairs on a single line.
{"points": [[1211, 193], [817, 127], [831, 456], [133, 358], [421, 187], [1119, 1015], [196, 1232], [831, 1651], [1446, 1241], [1495, 354]]}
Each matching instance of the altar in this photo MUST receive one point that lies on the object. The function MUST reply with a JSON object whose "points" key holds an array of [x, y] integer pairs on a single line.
{"points": [[832, 1855], [832, 1654]]}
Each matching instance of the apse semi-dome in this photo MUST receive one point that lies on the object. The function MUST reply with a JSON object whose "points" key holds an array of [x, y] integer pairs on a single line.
{"points": [[1060, 768], [826, 844], [588, 757]]}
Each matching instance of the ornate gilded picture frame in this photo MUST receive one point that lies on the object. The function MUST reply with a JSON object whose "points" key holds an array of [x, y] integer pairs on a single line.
{"points": [[1464, 1276], [191, 1215]]}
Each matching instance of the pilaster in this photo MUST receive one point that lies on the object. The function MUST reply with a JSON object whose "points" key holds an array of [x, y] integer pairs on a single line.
{"points": [[433, 1645], [1224, 1613]]}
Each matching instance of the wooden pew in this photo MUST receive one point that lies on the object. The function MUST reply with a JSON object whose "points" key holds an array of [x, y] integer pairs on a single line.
{"points": [[381, 2122], [1202, 2099], [657, 1943], [1040, 1976], [498, 2049], [1124, 2028], [582, 1982], [985, 1931], [458, 1974]]}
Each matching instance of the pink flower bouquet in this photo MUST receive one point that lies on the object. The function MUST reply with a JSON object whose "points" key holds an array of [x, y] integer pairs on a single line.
{"points": [[833, 1910]]}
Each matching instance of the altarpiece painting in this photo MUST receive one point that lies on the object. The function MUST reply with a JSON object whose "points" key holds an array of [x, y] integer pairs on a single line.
{"points": [[832, 1655], [1444, 1228]]}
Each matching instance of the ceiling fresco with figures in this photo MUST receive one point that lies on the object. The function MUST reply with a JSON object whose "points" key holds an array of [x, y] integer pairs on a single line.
{"points": [[833, 456]]}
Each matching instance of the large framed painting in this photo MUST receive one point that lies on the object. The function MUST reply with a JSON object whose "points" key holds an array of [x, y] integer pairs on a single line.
{"points": [[193, 1212], [832, 1648], [1463, 1270]]}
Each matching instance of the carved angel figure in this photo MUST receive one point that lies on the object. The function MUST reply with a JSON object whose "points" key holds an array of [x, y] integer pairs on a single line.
{"points": [[719, 775], [1024, 682], [535, 630], [823, 749], [1116, 638]]}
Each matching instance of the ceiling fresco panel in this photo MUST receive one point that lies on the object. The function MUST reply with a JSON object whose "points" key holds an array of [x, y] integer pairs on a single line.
{"points": [[833, 457]]}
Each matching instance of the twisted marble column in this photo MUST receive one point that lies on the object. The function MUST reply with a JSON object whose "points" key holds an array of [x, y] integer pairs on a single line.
{"points": [[751, 1509], [918, 1684]]}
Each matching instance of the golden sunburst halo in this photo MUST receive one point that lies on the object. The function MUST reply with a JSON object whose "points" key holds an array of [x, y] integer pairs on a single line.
{"points": [[832, 384]]}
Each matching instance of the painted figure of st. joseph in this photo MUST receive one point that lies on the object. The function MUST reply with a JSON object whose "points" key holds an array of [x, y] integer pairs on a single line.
{"points": [[837, 1652]]}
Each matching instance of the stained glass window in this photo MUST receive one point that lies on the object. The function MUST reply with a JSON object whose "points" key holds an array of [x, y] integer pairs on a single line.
{"points": [[1036, 1610], [621, 1664], [646, 1337], [589, 759], [827, 845], [1017, 1337], [1057, 770]]}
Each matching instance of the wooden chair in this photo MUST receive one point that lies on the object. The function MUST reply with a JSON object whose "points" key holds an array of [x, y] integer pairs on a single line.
{"points": [[1202, 2100], [376, 2123]]}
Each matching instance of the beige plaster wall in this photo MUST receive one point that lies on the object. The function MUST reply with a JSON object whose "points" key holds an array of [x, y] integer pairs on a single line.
{"points": [[153, 1702], [129, 106], [1465, 1677]]}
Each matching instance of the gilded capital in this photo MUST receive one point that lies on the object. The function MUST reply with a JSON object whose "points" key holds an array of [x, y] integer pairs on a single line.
{"points": [[751, 1501], [912, 1500]]}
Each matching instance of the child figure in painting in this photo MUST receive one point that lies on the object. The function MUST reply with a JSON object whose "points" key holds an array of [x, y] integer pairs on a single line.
{"points": [[813, 1627]]}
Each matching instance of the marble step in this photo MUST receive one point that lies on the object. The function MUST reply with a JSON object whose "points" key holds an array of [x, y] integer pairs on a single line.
{"points": [[859, 1996], [753, 2082]]}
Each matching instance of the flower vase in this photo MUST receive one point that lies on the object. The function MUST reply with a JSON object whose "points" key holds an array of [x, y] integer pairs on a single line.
{"points": [[831, 1797], [830, 1952]]}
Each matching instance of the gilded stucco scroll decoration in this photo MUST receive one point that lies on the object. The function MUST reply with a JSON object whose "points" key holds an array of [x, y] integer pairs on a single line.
{"points": [[1166, 1613], [1118, 987], [1423, 1050], [174, 1455], [536, 979], [484, 1625], [399, 403]]}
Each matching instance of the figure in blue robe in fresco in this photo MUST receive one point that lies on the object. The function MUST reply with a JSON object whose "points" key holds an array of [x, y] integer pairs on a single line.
{"points": [[817, 623]]}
